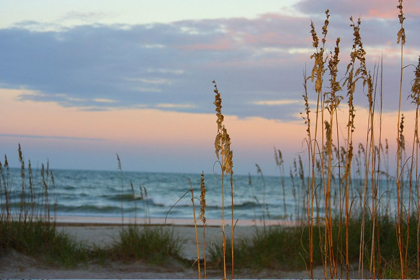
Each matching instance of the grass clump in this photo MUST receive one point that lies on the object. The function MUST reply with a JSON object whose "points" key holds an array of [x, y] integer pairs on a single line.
{"points": [[42, 240], [26, 223], [152, 244], [287, 248], [263, 250]]}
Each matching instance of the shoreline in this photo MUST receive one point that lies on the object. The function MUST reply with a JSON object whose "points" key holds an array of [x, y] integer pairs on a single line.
{"points": [[117, 221]]}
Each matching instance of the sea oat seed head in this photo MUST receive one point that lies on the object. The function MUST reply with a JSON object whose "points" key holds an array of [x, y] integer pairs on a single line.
{"points": [[401, 32], [202, 198], [20, 153], [415, 89]]}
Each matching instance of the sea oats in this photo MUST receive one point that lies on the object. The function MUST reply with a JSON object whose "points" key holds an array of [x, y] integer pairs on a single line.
{"points": [[225, 156], [203, 218], [202, 198], [401, 33]]}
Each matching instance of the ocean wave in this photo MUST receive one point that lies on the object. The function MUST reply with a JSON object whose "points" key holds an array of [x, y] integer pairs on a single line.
{"points": [[164, 202], [123, 197], [88, 209]]}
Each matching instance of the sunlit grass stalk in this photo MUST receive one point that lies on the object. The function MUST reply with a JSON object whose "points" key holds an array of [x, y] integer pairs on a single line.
{"points": [[415, 96], [340, 163], [415, 90], [5, 178], [311, 177], [317, 206], [220, 156], [400, 40], [293, 175], [332, 104], [232, 228], [388, 179], [376, 213], [278, 157], [302, 189], [351, 86], [224, 155], [144, 203], [45, 185], [31, 188], [318, 71], [196, 232], [400, 195], [203, 218], [374, 174], [253, 197], [369, 162], [122, 189], [135, 202], [265, 207], [22, 176], [146, 198], [55, 200]]}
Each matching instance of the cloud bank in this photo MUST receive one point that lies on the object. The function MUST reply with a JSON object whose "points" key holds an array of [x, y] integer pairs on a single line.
{"points": [[258, 63]]}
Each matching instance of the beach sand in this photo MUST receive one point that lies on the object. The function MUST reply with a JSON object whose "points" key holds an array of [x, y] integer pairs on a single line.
{"points": [[103, 232]]}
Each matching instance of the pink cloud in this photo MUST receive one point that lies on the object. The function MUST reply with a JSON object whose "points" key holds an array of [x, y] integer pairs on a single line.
{"points": [[372, 9], [388, 10], [270, 30], [220, 44], [273, 39]]}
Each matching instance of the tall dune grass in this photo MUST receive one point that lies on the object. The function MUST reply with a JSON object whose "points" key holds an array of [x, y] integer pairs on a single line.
{"points": [[26, 223], [347, 191], [345, 217], [225, 157], [323, 140]]}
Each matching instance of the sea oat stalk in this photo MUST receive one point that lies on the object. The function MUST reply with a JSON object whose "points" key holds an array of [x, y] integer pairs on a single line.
{"points": [[415, 89], [196, 233], [203, 218], [400, 40], [224, 155]]}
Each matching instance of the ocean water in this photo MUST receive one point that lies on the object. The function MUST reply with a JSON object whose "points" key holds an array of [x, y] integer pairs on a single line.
{"points": [[109, 194]]}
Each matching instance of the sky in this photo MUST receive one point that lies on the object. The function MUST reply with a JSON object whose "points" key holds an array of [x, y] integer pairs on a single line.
{"points": [[83, 81]]}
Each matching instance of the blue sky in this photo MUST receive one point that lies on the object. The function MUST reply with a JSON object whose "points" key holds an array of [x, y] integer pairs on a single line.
{"points": [[109, 56]]}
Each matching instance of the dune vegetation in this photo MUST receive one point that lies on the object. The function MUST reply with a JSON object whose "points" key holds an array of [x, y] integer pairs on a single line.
{"points": [[345, 223], [28, 225], [348, 222]]}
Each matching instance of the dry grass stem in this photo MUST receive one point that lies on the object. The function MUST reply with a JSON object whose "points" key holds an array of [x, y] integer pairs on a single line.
{"points": [[196, 233]]}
